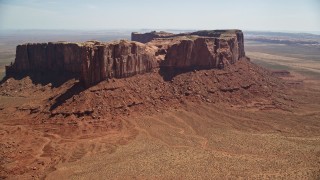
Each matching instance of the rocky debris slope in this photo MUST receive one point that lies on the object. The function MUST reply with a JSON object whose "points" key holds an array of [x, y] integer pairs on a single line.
{"points": [[240, 84], [91, 61]]}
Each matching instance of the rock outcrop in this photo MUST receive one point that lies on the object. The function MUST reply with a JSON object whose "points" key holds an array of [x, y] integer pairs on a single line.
{"points": [[94, 61], [91, 61], [116, 60], [41, 57], [202, 53], [201, 49]]}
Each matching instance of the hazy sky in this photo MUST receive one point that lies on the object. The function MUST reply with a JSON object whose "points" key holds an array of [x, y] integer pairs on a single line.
{"points": [[272, 15]]}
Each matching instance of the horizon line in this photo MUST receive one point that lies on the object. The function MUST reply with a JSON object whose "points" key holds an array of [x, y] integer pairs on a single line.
{"points": [[156, 29]]}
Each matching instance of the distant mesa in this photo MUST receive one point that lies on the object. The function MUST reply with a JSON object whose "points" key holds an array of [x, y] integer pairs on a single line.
{"points": [[147, 37], [93, 62]]}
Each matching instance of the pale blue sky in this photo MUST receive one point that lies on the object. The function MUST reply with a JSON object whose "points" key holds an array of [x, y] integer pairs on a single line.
{"points": [[271, 15]]}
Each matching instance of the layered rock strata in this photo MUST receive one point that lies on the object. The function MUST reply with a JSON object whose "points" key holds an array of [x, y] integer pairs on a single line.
{"points": [[202, 53], [116, 60], [201, 49], [94, 61], [219, 34], [91, 61], [42, 57]]}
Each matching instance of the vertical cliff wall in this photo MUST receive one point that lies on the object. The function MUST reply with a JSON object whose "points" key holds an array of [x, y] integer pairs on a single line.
{"points": [[188, 53], [46, 56], [94, 61], [118, 60], [91, 62], [200, 49], [202, 53]]}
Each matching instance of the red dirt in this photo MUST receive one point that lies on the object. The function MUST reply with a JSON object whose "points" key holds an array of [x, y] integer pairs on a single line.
{"points": [[43, 126]]}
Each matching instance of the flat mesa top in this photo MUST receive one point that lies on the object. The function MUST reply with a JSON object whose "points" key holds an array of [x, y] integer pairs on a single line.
{"points": [[224, 34], [209, 32], [85, 43]]}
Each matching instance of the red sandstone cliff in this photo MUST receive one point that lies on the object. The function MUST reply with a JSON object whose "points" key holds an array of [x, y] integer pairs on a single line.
{"points": [[93, 61], [203, 53], [117, 59], [42, 57], [201, 49]]}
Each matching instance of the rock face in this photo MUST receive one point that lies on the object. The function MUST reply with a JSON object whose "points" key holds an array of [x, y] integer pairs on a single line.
{"points": [[42, 57], [191, 53], [116, 60], [202, 53], [201, 49], [92, 62]]}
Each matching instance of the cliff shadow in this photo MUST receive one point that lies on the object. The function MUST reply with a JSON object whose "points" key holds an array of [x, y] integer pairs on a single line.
{"points": [[168, 73], [56, 79], [76, 89]]}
